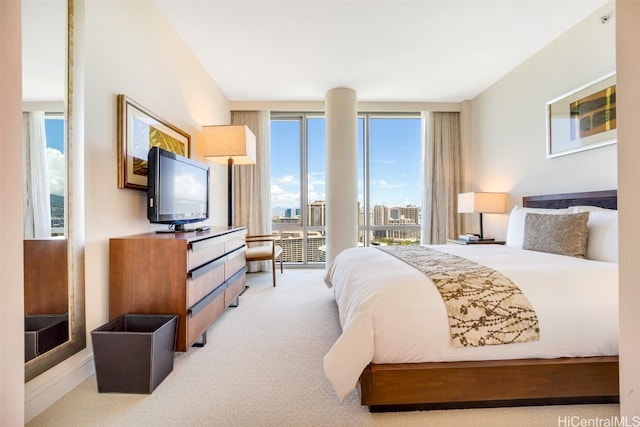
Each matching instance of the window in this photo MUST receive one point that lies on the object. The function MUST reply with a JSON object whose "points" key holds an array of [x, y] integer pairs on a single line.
{"points": [[297, 186], [54, 130], [389, 150], [389, 190]]}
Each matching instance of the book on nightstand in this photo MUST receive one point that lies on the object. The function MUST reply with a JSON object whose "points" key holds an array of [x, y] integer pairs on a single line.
{"points": [[469, 237], [460, 241]]}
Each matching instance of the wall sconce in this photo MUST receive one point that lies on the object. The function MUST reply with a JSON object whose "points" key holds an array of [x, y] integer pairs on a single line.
{"points": [[230, 144], [482, 203]]}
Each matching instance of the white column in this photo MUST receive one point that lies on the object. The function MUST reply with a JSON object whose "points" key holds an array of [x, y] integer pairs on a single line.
{"points": [[342, 170]]}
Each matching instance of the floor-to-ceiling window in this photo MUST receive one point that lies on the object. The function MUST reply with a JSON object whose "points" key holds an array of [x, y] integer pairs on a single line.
{"points": [[389, 189], [389, 150], [298, 186]]}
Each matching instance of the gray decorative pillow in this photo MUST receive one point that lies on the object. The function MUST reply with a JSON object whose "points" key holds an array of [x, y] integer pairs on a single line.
{"points": [[557, 234]]}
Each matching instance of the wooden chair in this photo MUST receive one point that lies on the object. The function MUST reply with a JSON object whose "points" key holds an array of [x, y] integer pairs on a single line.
{"points": [[263, 251]]}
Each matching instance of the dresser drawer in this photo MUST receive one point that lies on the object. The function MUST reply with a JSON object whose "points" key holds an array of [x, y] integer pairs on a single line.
{"points": [[203, 251], [235, 261], [234, 241], [203, 313], [204, 280], [235, 286]]}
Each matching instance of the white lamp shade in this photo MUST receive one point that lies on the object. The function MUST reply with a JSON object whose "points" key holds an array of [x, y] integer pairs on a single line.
{"points": [[223, 142], [482, 202]]}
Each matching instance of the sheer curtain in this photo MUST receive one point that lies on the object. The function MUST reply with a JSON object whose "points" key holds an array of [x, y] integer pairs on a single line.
{"points": [[252, 187], [37, 207], [441, 169]]}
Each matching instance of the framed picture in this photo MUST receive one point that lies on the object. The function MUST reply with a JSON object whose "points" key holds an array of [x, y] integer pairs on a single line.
{"points": [[583, 119], [138, 131]]}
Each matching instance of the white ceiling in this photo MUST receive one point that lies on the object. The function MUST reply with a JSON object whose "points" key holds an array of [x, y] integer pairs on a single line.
{"points": [[44, 41], [416, 50]]}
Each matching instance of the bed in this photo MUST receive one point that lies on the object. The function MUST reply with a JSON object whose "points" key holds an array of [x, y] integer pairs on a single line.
{"points": [[574, 360]]}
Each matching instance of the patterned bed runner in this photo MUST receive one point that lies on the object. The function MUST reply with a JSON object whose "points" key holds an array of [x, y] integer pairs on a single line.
{"points": [[484, 306]]}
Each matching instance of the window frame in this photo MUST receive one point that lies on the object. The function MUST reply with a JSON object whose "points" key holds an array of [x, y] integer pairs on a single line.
{"points": [[302, 226], [366, 228]]}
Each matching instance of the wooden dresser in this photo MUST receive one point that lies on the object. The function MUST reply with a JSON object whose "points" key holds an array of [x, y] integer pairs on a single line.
{"points": [[195, 275]]}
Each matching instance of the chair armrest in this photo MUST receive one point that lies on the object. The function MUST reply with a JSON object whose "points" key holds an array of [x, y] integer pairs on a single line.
{"points": [[259, 238]]}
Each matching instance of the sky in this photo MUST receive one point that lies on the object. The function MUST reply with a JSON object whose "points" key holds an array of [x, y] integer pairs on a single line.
{"points": [[394, 159], [54, 129]]}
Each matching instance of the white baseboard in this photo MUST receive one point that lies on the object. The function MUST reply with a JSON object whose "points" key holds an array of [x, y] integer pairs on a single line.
{"points": [[47, 391]]}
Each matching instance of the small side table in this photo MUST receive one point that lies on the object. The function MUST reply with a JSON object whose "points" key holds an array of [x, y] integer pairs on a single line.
{"points": [[476, 242]]}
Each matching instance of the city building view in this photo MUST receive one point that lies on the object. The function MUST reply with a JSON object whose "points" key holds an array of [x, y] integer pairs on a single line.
{"points": [[57, 215], [389, 225]]}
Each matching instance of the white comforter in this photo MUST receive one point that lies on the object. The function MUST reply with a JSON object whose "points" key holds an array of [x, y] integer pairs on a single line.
{"points": [[391, 313]]}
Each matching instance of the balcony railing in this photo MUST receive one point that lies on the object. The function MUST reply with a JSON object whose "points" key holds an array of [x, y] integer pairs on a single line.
{"points": [[298, 248]]}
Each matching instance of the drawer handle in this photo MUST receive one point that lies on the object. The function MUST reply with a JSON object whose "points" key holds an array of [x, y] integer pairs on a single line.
{"points": [[207, 243], [236, 252], [235, 276], [220, 238], [204, 269], [197, 307]]}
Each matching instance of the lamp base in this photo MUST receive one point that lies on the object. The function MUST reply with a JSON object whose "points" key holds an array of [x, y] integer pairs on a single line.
{"points": [[230, 194], [469, 237]]}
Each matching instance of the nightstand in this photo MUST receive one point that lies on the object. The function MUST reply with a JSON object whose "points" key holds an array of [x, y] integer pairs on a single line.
{"points": [[476, 242]]}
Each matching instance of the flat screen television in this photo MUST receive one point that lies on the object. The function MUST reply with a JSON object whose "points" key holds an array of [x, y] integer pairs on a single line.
{"points": [[178, 190]]}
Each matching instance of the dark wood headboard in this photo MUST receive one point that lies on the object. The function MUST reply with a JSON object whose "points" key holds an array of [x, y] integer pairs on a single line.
{"points": [[604, 199]]}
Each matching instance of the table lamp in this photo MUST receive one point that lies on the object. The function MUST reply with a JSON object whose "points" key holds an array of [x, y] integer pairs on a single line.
{"points": [[482, 203], [230, 144]]}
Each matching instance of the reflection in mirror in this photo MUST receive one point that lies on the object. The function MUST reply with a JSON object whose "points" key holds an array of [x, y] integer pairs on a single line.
{"points": [[54, 322], [45, 170], [45, 244], [44, 39]]}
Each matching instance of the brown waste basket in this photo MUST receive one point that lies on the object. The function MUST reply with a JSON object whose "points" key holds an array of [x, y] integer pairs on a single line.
{"points": [[43, 332], [134, 352]]}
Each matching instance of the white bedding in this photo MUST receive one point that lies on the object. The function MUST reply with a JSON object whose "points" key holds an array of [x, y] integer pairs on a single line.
{"points": [[391, 313]]}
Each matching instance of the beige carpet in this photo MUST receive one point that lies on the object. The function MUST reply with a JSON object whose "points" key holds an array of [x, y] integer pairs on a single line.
{"points": [[262, 366]]}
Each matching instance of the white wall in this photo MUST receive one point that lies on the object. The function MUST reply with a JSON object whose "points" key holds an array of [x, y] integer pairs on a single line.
{"points": [[131, 49], [509, 122], [11, 273], [628, 65]]}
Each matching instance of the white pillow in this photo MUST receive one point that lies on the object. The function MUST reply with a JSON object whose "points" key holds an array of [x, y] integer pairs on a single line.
{"points": [[603, 233], [515, 228], [576, 209]]}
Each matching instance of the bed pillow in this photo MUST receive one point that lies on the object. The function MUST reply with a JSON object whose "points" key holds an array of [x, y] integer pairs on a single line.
{"points": [[515, 228], [603, 233], [564, 234], [574, 209]]}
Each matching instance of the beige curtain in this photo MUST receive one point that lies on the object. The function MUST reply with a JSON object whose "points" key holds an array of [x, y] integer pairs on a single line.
{"points": [[252, 188], [441, 170], [37, 208]]}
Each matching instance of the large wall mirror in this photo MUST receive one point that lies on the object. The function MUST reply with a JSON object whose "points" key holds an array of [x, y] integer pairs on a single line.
{"points": [[53, 233]]}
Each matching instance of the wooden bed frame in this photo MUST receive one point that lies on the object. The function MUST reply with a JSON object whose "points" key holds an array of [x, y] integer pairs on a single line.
{"points": [[492, 383]]}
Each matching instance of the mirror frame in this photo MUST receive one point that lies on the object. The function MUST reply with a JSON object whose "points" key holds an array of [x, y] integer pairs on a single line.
{"points": [[74, 199]]}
